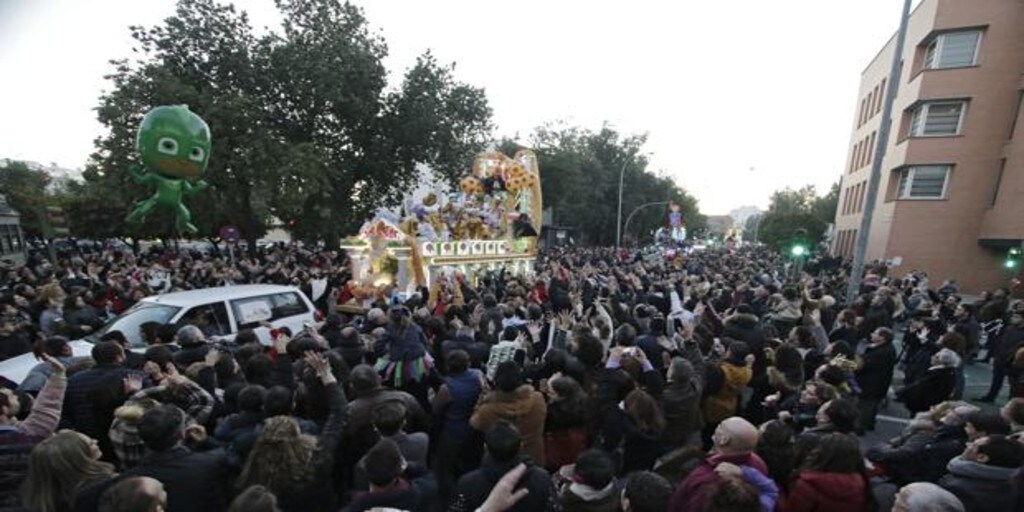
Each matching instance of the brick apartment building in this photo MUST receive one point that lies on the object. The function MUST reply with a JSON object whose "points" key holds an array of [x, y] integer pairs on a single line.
{"points": [[951, 196]]}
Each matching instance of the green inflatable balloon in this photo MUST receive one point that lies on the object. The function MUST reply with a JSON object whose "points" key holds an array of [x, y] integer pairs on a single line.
{"points": [[174, 144]]}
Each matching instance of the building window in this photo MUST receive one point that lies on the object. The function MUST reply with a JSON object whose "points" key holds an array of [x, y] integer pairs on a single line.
{"points": [[953, 50], [937, 119], [923, 182]]}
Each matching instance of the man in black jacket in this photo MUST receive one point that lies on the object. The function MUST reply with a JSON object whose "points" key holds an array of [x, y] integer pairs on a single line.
{"points": [[84, 389], [875, 375], [1002, 348], [503, 442], [195, 482]]}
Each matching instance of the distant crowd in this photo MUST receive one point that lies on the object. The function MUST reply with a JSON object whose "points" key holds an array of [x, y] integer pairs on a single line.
{"points": [[608, 380]]}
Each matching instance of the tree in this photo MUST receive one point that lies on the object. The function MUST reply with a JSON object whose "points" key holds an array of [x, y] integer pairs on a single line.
{"points": [[580, 179], [791, 210], [25, 190], [303, 127]]}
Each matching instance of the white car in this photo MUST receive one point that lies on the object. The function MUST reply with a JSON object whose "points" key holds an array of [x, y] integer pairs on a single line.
{"points": [[220, 313]]}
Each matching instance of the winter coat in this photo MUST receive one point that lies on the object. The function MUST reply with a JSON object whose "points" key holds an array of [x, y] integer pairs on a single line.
{"points": [[945, 444], [932, 388], [980, 487], [637, 450], [898, 456], [691, 494], [17, 440], [359, 433], [472, 488], [565, 433], [195, 482], [525, 408], [875, 373], [835, 492], [747, 328], [722, 403], [418, 491], [318, 493], [680, 402], [81, 399]]}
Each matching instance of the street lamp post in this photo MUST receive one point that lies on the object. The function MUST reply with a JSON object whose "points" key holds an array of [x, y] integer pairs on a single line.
{"points": [[618, 218], [875, 178], [637, 209]]}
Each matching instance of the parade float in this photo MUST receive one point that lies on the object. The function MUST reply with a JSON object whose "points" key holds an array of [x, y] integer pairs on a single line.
{"points": [[488, 226]]}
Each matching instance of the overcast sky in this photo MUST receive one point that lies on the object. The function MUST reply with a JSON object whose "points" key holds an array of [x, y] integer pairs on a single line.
{"points": [[739, 97]]}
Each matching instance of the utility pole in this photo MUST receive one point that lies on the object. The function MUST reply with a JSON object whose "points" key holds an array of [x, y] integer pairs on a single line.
{"points": [[860, 250]]}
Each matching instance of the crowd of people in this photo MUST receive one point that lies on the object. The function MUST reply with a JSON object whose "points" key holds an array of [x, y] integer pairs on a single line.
{"points": [[607, 380]]}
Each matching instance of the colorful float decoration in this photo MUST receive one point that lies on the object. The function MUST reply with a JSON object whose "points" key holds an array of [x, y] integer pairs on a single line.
{"points": [[490, 224]]}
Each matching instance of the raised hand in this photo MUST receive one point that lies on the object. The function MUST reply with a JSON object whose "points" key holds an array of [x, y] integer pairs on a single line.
{"points": [[504, 496], [55, 364], [132, 384]]}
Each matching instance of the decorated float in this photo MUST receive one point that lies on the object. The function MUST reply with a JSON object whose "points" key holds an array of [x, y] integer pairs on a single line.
{"points": [[488, 226]]}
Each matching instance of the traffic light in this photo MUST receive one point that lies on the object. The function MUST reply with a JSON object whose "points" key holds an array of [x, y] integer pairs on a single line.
{"points": [[1013, 259], [798, 250]]}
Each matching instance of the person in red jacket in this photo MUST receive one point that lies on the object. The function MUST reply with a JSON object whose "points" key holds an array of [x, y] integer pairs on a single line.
{"points": [[734, 442], [833, 478]]}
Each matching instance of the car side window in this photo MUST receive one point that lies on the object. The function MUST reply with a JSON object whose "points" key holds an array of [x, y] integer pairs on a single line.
{"points": [[211, 318], [288, 304], [249, 312]]}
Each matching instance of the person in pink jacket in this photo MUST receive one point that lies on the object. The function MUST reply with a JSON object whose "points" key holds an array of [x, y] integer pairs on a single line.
{"points": [[17, 438]]}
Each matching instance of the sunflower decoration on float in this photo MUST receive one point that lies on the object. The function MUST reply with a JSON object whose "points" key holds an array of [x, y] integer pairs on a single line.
{"points": [[471, 186]]}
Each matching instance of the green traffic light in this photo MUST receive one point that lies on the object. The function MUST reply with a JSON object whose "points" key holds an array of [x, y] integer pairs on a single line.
{"points": [[1011, 263], [798, 250]]}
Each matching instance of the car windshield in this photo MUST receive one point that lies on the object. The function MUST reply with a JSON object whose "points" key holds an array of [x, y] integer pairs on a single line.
{"points": [[131, 320]]}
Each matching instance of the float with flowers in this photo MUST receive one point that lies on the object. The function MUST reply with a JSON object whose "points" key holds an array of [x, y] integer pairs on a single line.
{"points": [[489, 225]]}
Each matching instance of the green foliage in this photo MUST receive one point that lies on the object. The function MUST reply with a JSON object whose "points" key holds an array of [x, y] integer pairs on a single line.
{"points": [[791, 210], [25, 190], [304, 128], [580, 178]]}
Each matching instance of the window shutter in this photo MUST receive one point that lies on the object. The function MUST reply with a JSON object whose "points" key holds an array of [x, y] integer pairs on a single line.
{"points": [[958, 49]]}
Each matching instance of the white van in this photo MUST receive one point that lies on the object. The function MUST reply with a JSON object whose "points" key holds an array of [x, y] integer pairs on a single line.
{"points": [[220, 313]]}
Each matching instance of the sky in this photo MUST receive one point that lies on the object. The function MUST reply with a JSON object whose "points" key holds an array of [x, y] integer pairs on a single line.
{"points": [[738, 98]]}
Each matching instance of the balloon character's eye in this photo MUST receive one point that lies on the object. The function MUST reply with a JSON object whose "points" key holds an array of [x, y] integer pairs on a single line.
{"points": [[197, 154], [167, 146]]}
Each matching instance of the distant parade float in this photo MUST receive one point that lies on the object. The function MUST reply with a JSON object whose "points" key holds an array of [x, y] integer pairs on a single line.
{"points": [[488, 226], [174, 146]]}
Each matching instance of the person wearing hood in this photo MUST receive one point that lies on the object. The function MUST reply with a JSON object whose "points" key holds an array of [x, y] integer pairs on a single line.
{"points": [[833, 477], [983, 477], [934, 386], [515, 401], [746, 327], [591, 485]]}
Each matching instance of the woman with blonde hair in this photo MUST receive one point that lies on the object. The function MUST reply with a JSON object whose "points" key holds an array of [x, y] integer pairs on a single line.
{"points": [[59, 467], [296, 467]]}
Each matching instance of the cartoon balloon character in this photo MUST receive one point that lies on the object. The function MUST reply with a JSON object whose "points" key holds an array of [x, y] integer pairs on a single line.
{"points": [[174, 145]]}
